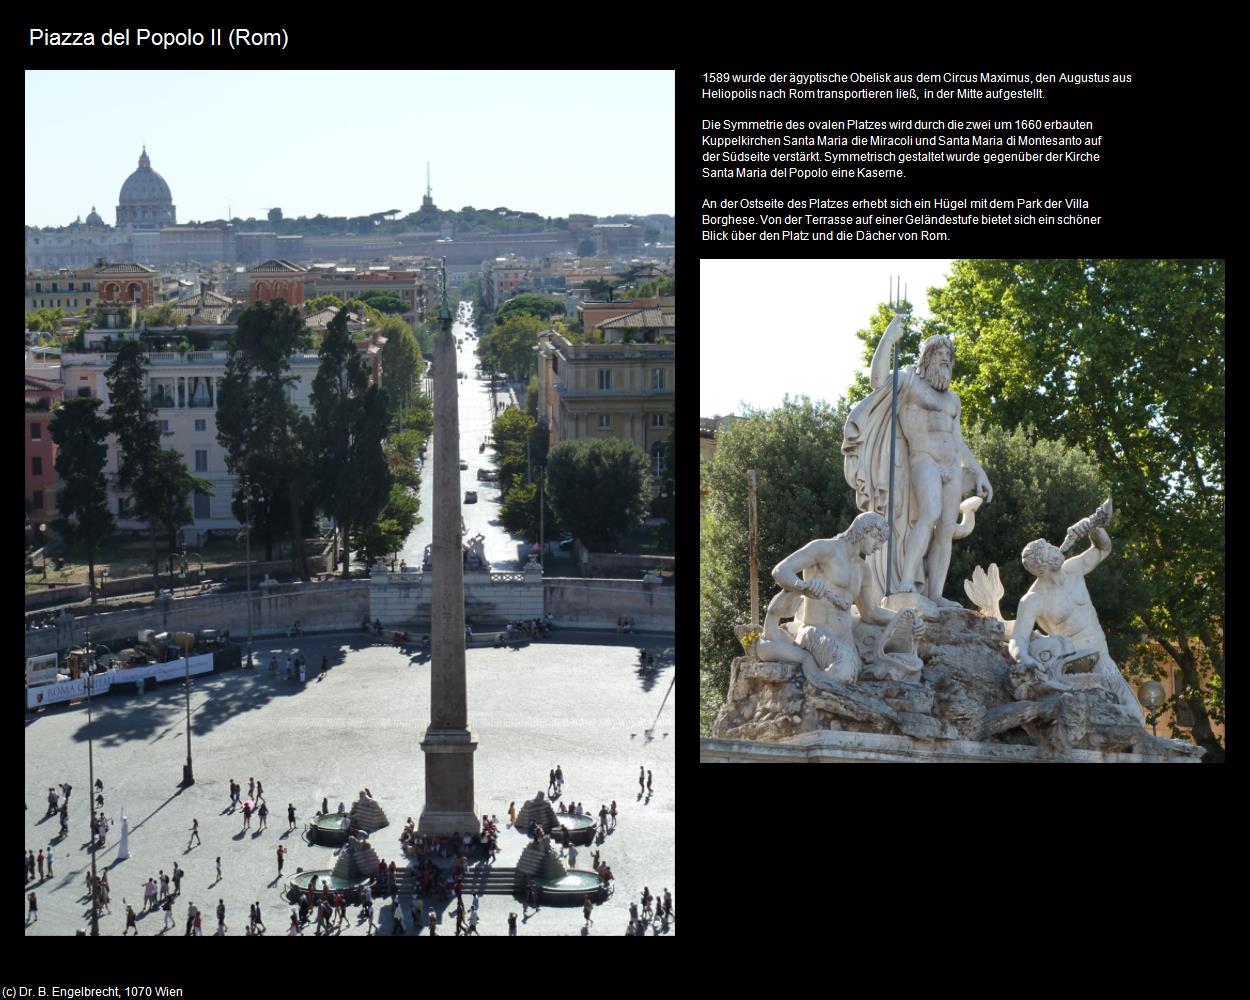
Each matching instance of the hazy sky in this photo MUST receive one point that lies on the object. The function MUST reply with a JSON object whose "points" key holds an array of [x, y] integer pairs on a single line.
{"points": [[772, 327], [350, 142]]}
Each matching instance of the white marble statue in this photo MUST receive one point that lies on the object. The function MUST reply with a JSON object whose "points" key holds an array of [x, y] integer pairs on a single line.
{"points": [[933, 466], [1058, 602], [827, 577]]}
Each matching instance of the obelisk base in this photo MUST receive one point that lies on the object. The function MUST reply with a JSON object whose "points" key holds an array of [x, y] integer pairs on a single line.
{"points": [[449, 804]]}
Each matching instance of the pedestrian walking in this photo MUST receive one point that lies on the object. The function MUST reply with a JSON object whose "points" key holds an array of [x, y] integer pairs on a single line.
{"points": [[559, 779], [397, 920], [49, 861], [260, 792], [512, 813], [325, 665], [572, 856], [39, 863], [196, 928], [603, 818], [130, 921], [260, 921], [472, 924], [65, 819], [586, 908], [460, 926], [164, 879], [551, 781], [612, 814], [531, 898], [168, 907], [247, 815], [251, 788], [293, 930], [178, 873], [33, 915], [668, 904], [219, 869], [290, 816], [190, 919], [195, 833], [368, 907], [512, 924], [231, 793], [648, 782], [433, 920], [263, 813], [281, 856], [221, 916], [642, 779], [30, 866]]}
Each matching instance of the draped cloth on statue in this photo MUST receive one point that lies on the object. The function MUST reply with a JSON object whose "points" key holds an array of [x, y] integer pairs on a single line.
{"points": [[866, 465]]}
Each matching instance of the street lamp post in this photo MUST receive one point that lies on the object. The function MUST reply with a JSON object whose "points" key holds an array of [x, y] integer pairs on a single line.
{"points": [[247, 506], [188, 776], [89, 683], [542, 553], [1152, 695]]}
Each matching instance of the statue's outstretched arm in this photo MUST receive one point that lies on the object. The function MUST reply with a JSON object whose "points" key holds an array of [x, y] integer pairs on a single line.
{"points": [[1099, 549]]}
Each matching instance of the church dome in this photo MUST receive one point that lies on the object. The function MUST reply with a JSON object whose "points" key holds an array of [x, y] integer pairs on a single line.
{"points": [[94, 218], [145, 199]]}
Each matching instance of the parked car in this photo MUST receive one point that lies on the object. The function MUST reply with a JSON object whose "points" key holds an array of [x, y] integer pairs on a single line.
{"points": [[470, 496]]}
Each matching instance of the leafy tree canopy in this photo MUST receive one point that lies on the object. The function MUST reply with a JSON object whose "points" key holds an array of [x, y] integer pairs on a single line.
{"points": [[598, 488]]}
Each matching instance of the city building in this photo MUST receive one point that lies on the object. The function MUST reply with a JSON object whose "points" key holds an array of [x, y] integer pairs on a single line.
{"points": [[617, 389], [277, 279], [411, 286], [84, 288], [183, 387], [41, 394]]}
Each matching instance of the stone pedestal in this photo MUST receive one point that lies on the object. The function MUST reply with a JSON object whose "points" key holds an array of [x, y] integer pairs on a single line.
{"points": [[883, 748], [449, 803]]}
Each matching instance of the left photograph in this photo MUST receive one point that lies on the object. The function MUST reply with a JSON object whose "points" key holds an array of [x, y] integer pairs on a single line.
{"points": [[349, 506]]}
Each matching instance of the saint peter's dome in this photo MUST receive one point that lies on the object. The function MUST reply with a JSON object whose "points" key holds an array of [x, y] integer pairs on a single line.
{"points": [[145, 201]]}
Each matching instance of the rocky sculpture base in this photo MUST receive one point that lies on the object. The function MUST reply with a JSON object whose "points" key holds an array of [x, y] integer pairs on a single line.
{"points": [[367, 814], [539, 810], [964, 694]]}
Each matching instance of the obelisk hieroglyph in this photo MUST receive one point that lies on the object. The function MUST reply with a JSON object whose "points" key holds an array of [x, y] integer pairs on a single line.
{"points": [[448, 745]]}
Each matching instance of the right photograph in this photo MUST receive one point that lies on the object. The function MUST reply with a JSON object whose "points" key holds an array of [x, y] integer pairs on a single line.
{"points": [[962, 511]]}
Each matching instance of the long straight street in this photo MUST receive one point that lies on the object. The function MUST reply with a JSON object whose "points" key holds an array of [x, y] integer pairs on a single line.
{"points": [[482, 518]]}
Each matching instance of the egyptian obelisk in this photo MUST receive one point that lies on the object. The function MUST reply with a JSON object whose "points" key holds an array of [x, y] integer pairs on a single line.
{"points": [[448, 745]]}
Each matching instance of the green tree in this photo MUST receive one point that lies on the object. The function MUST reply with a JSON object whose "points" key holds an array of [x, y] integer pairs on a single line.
{"points": [[262, 432], [542, 306], [350, 420], [665, 503], [402, 364], [384, 302], [802, 494], [519, 511], [385, 534], [1124, 358], [597, 488], [531, 397], [80, 433], [167, 503], [510, 344], [601, 289], [161, 314], [132, 418]]}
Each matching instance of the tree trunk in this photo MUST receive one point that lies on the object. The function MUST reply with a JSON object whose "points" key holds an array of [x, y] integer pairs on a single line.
{"points": [[156, 566], [1202, 733], [347, 552], [298, 561]]}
